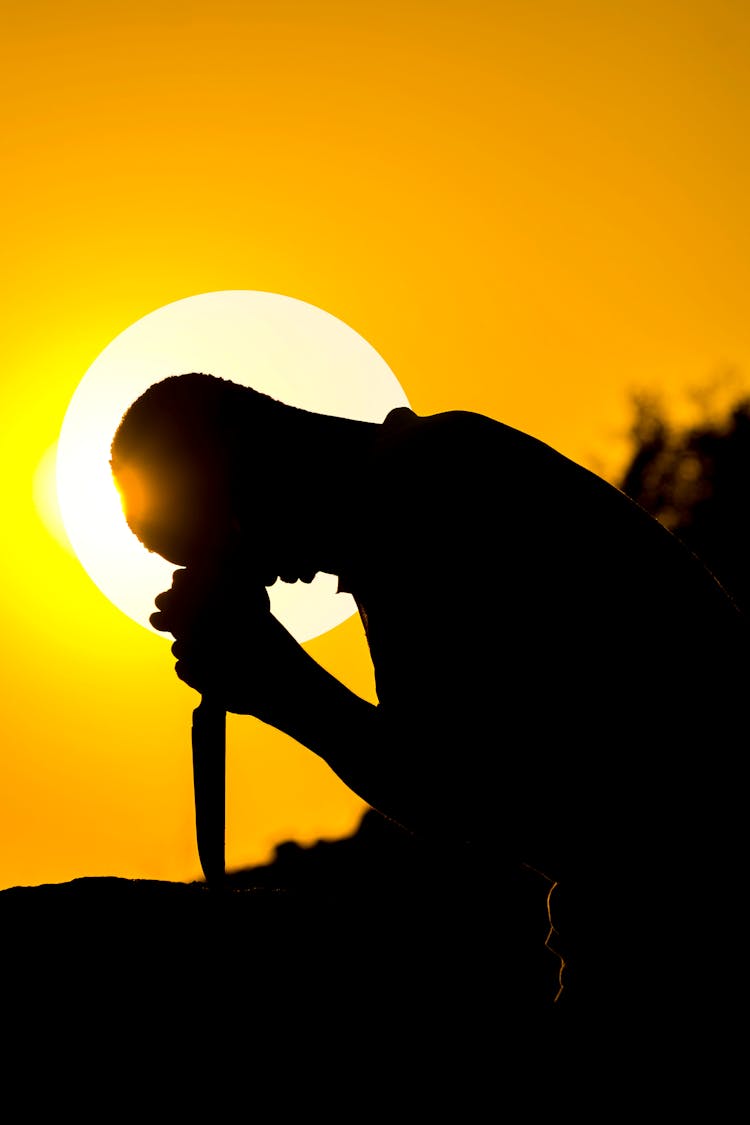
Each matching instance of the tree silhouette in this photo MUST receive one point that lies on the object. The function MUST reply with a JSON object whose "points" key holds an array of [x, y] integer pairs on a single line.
{"points": [[695, 479]]}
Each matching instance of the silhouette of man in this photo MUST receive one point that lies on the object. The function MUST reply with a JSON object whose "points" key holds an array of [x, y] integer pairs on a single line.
{"points": [[558, 679]]}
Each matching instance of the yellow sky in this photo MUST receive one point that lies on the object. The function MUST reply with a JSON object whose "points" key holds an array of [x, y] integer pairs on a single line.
{"points": [[528, 207]]}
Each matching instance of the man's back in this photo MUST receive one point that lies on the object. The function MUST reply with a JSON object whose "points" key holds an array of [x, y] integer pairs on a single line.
{"points": [[561, 680]]}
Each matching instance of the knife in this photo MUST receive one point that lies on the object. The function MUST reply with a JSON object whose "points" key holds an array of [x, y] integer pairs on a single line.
{"points": [[209, 784]]}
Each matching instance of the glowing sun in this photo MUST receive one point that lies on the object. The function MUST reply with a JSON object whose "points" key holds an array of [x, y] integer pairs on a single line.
{"points": [[282, 346]]}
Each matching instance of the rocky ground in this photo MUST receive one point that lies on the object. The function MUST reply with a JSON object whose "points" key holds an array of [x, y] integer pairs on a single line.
{"points": [[362, 977], [372, 959]]}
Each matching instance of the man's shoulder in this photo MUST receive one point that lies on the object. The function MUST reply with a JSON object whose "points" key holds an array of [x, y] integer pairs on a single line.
{"points": [[403, 419], [464, 440], [403, 426]]}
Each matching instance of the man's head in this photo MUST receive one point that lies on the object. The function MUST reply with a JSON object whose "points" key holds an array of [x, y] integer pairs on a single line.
{"points": [[175, 459], [205, 466]]}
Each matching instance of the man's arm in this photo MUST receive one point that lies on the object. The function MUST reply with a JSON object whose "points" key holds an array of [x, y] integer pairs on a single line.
{"points": [[230, 647]]}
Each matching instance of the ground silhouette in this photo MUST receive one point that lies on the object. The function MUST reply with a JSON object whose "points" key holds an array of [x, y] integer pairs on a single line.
{"points": [[364, 964]]}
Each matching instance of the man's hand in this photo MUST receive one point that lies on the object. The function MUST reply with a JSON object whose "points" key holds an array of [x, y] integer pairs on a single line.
{"points": [[229, 646], [227, 642]]}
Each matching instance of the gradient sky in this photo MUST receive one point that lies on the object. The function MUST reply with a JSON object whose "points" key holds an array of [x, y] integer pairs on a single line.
{"points": [[530, 208]]}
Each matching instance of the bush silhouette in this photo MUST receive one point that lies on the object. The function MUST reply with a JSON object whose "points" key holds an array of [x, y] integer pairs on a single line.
{"points": [[695, 479]]}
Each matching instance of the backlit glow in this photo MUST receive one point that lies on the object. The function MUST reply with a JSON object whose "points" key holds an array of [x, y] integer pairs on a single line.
{"points": [[283, 347]]}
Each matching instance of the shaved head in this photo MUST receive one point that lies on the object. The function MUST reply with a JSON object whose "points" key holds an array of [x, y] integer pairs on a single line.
{"points": [[172, 459]]}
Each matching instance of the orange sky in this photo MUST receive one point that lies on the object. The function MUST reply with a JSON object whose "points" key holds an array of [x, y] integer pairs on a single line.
{"points": [[528, 209]]}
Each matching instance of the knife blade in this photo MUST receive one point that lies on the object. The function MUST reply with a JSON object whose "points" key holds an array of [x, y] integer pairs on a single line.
{"points": [[209, 784]]}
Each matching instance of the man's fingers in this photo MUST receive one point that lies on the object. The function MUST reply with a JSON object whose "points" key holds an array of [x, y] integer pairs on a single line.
{"points": [[158, 622], [177, 607], [161, 600]]}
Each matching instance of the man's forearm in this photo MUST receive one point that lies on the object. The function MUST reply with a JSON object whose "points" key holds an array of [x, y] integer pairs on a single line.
{"points": [[324, 715], [350, 734]]}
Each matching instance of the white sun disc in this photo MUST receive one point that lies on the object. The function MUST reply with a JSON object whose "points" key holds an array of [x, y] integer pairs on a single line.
{"points": [[284, 347]]}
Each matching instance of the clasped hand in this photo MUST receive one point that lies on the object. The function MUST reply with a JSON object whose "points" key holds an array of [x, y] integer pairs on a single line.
{"points": [[227, 641]]}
